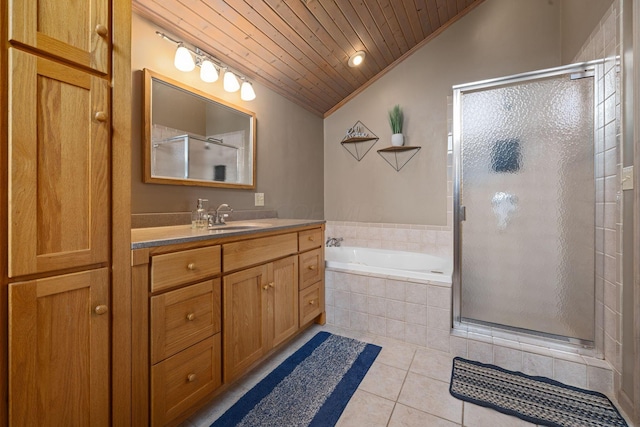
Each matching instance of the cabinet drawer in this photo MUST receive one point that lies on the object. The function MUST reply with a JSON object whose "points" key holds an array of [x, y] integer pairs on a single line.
{"points": [[311, 267], [183, 267], [311, 303], [181, 380], [256, 251], [310, 239], [184, 317]]}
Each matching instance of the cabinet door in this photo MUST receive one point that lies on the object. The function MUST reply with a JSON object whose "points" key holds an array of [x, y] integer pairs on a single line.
{"points": [[58, 166], [59, 351], [75, 30], [244, 324], [283, 299]]}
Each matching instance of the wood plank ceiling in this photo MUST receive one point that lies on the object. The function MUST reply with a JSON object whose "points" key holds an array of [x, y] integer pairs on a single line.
{"points": [[300, 48]]}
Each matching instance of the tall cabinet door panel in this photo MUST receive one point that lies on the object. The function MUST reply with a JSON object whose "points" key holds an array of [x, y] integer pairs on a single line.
{"points": [[74, 30], [244, 319], [284, 302], [58, 166], [59, 350]]}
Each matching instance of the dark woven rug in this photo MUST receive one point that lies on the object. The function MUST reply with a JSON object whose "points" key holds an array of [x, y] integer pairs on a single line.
{"points": [[309, 389], [538, 400]]}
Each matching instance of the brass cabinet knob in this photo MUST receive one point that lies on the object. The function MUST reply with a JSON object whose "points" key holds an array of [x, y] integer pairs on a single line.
{"points": [[312, 267], [265, 287], [191, 316], [101, 116], [271, 284], [191, 266], [191, 377], [311, 239], [101, 30], [312, 302], [101, 309]]}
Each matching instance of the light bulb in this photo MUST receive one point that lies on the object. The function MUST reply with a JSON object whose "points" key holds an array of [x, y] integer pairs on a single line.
{"points": [[183, 60], [357, 58], [208, 71], [230, 82], [246, 92]]}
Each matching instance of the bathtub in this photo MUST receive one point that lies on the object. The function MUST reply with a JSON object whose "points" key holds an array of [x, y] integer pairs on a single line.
{"points": [[383, 262]]}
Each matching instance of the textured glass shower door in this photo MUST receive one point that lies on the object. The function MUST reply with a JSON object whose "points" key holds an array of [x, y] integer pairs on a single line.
{"points": [[525, 204]]}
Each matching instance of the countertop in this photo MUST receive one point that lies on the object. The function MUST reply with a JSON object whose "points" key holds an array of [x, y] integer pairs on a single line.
{"points": [[158, 236]]}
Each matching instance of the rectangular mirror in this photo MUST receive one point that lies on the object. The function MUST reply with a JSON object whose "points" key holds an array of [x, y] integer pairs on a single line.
{"points": [[193, 138]]}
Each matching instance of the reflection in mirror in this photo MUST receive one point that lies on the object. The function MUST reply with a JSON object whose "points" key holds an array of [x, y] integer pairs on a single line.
{"points": [[192, 138]]}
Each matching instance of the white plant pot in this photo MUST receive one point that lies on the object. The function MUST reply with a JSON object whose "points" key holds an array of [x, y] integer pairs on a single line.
{"points": [[397, 139]]}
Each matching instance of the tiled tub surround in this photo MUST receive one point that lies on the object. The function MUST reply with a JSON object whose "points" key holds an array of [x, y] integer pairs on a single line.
{"points": [[416, 311], [432, 240], [419, 313]]}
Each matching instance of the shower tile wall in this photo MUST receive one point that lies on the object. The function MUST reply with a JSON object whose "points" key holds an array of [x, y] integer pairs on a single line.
{"points": [[604, 42]]}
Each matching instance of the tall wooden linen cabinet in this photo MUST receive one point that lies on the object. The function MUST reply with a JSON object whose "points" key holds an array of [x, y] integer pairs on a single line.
{"points": [[65, 156]]}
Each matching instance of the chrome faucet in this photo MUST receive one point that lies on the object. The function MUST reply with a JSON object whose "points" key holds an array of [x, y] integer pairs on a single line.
{"points": [[334, 242], [218, 218]]}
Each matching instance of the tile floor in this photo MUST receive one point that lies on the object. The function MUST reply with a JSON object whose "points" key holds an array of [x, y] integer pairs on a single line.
{"points": [[407, 386]]}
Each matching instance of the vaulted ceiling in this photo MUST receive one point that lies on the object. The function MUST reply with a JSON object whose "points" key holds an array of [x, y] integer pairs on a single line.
{"points": [[300, 48]]}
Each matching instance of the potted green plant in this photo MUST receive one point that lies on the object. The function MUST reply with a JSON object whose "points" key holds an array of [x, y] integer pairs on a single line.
{"points": [[395, 120]]}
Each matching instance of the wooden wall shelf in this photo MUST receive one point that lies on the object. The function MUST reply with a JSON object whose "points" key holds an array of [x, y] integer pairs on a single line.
{"points": [[399, 156], [354, 140]]}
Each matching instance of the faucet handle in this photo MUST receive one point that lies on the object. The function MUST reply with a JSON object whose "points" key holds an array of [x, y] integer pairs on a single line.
{"points": [[219, 219]]}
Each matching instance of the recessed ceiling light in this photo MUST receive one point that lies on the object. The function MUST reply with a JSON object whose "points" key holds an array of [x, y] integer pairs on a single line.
{"points": [[357, 58]]}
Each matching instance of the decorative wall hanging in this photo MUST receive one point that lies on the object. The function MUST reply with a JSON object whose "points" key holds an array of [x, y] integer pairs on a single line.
{"points": [[359, 140]]}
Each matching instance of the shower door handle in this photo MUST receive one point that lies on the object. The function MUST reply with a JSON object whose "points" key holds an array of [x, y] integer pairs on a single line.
{"points": [[463, 213]]}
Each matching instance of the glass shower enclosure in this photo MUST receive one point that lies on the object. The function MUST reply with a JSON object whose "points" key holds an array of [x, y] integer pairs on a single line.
{"points": [[524, 203]]}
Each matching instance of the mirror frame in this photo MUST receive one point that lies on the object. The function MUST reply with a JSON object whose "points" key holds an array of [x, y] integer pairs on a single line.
{"points": [[148, 77]]}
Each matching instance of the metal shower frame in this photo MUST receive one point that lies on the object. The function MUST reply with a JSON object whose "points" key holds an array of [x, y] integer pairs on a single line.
{"points": [[584, 69]]}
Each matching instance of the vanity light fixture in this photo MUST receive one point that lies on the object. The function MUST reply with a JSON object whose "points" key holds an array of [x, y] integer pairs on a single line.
{"points": [[208, 72], [230, 82], [357, 58], [183, 60], [209, 65], [246, 91]]}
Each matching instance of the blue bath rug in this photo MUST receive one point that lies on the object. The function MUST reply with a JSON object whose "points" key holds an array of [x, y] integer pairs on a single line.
{"points": [[538, 400], [311, 388]]}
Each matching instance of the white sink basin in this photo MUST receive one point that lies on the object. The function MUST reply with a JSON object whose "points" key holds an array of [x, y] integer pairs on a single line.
{"points": [[236, 227]]}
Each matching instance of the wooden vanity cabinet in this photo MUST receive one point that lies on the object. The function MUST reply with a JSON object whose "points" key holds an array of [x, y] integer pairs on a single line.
{"points": [[205, 314]]}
